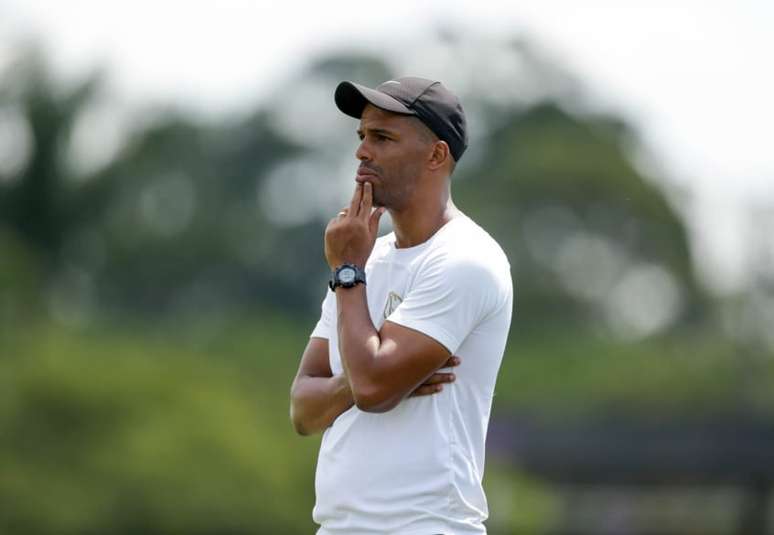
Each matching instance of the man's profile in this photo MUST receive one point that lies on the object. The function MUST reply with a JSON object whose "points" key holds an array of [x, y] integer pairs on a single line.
{"points": [[400, 370]]}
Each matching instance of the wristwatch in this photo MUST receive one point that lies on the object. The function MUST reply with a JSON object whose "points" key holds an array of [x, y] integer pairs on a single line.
{"points": [[346, 276]]}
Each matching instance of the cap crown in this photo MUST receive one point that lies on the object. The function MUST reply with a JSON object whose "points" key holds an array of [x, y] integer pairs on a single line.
{"points": [[434, 105]]}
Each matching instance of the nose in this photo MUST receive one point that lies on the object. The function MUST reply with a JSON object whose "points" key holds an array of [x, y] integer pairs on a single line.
{"points": [[362, 153]]}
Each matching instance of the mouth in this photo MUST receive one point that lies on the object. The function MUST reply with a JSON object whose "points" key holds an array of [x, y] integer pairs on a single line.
{"points": [[365, 174]]}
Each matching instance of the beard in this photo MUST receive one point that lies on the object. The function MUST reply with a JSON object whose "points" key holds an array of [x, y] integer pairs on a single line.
{"points": [[393, 187], [378, 197]]}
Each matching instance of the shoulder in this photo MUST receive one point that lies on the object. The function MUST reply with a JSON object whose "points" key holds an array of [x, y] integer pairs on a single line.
{"points": [[466, 267], [465, 249]]}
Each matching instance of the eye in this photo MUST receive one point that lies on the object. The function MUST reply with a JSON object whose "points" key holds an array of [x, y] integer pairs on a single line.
{"points": [[381, 137]]}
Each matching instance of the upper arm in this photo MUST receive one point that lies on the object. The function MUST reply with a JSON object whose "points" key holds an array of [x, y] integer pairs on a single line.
{"points": [[316, 398], [314, 360]]}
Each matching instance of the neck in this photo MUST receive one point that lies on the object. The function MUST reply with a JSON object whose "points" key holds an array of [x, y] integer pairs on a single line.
{"points": [[418, 222]]}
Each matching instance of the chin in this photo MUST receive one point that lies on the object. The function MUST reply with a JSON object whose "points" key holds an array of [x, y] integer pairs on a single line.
{"points": [[378, 202]]}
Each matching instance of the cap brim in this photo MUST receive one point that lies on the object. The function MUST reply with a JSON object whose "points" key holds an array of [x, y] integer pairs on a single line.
{"points": [[352, 98]]}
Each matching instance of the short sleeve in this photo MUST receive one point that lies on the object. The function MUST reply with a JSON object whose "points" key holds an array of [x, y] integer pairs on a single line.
{"points": [[326, 324], [450, 296]]}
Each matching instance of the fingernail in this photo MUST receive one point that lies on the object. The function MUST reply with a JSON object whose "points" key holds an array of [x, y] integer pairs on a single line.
{"points": [[438, 388], [452, 377]]}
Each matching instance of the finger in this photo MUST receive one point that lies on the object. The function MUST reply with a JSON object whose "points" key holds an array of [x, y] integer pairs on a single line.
{"points": [[366, 201], [426, 390], [439, 378], [354, 204], [451, 362], [373, 221]]}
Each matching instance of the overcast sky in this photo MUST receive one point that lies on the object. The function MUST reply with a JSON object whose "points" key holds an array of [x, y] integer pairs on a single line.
{"points": [[694, 77]]}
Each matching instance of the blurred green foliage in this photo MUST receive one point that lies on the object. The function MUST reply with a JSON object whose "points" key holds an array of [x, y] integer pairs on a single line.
{"points": [[118, 433]]}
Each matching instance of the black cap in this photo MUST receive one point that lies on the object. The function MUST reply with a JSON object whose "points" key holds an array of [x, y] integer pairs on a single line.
{"points": [[427, 100]]}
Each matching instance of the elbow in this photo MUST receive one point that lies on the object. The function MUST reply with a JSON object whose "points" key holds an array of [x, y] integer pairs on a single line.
{"points": [[298, 422], [299, 428], [370, 399]]}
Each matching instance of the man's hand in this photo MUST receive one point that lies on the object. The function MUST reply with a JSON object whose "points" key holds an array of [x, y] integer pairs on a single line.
{"points": [[434, 383], [350, 236]]}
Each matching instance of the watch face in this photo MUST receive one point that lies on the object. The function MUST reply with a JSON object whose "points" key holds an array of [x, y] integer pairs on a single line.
{"points": [[347, 275]]}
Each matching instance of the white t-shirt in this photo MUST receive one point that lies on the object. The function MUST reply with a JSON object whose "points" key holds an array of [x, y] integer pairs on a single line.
{"points": [[417, 469]]}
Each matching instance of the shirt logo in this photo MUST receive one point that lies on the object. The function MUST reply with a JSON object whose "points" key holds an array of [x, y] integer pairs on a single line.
{"points": [[393, 300]]}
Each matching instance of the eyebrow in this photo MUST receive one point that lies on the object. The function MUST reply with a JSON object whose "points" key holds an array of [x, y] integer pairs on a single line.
{"points": [[381, 131]]}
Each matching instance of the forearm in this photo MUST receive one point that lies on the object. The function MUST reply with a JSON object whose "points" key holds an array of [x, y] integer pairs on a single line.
{"points": [[359, 344], [315, 402]]}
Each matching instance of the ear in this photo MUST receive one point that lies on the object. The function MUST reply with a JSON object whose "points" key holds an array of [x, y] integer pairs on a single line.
{"points": [[439, 156]]}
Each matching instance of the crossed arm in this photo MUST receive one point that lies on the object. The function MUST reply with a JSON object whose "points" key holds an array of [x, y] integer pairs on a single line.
{"points": [[317, 397]]}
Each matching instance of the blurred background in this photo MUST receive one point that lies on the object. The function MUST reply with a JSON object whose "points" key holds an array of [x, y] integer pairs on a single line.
{"points": [[166, 172]]}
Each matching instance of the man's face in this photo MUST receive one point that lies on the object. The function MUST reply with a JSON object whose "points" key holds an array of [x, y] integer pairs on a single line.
{"points": [[392, 154]]}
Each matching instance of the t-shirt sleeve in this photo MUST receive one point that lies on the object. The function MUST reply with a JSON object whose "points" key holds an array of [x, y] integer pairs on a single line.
{"points": [[449, 298], [326, 324]]}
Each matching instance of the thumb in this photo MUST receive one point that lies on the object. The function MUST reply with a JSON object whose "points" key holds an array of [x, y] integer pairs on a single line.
{"points": [[373, 221]]}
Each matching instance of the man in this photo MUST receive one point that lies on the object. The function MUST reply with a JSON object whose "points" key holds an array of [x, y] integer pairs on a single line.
{"points": [[403, 445]]}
